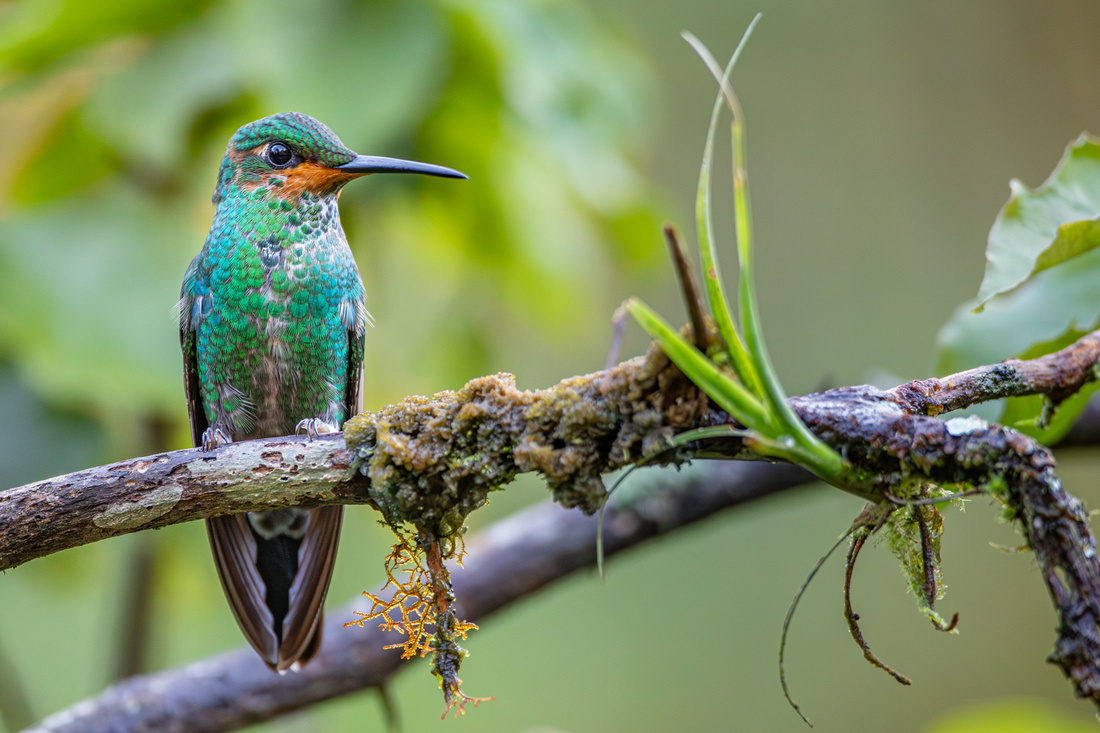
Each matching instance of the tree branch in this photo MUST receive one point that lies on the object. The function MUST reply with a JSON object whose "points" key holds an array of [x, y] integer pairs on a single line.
{"points": [[507, 562], [1058, 375], [440, 456], [432, 454], [180, 486]]}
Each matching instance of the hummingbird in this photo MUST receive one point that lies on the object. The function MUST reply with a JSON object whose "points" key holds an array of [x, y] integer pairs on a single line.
{"points": [[272, 319]]}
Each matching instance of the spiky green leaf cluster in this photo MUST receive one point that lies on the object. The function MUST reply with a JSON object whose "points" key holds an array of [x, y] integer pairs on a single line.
{"points": [[738, 374]]}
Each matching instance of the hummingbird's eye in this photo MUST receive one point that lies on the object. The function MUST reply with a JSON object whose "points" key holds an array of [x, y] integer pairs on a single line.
{"points": [[278, 154]]}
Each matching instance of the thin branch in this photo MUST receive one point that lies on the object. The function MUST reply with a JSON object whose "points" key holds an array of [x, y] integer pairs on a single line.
{"points": [[1057, 375], [630, 411], [896, 446]]}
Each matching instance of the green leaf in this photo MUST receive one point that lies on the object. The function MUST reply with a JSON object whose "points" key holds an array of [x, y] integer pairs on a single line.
{"points": [[749, 356], [1052, 224], [1073, 239], [708, 251]]}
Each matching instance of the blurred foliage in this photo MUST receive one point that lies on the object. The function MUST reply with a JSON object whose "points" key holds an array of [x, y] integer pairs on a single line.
{"points": [[116, 115], [1039, 291], [1010, 715]]}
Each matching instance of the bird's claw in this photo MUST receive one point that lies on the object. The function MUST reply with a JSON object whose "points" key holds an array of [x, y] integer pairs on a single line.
{"points": [[313, 427], [214, 438]]}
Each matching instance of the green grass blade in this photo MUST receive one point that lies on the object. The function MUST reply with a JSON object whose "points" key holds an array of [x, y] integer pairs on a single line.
{"points": [[824, 460], [704, 224]]}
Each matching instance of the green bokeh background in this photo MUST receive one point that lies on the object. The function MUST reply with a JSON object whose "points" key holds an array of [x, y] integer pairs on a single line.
{"points": [[881, 137]]}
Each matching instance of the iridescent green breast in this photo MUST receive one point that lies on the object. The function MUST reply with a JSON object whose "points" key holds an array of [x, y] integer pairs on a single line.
{"points": [[276, 303]]}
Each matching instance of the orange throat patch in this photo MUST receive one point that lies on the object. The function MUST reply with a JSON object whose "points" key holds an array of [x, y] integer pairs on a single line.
{"points": [[312, 178]]}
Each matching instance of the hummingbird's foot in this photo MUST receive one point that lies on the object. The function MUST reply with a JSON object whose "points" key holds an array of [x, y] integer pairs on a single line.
{"points": [[214, 438], [313, 427]]}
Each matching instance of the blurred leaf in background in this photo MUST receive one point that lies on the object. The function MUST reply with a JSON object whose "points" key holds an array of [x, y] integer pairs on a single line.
{"points": [[1009, 715]]}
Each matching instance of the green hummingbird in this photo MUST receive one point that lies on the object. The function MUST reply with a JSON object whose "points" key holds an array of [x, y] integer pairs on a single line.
{"points": [[272, 319]]}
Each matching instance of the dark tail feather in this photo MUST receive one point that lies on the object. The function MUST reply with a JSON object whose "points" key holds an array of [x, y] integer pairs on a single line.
{"points": [[276, 588], [277, 562]]}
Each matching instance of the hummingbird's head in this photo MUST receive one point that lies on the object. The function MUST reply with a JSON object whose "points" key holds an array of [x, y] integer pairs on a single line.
{"points": [[291, 154]]}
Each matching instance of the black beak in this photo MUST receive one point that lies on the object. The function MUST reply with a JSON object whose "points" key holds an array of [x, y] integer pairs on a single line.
{"points": [[364, 164]]}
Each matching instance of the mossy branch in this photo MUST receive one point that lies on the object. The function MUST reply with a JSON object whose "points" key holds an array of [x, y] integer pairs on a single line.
{"points": [[426, 461]]}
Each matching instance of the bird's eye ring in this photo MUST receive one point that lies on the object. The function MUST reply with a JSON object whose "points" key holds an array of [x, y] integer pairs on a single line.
{"points": [[278, 154]]}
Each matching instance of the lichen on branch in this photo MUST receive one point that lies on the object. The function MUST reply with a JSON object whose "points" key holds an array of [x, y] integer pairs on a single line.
{"points": [[421, 608], [431, 461]]}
